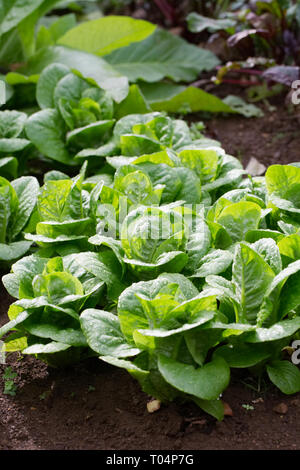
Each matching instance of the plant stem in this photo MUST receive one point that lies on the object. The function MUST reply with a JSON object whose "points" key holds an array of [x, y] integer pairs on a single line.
{"points": [[240, 82]]}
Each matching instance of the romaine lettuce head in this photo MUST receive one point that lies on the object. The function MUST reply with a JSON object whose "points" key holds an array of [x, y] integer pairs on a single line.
{"points": [[17, 203], [133, 311], [153, 240], [52, 293], [283, 185], [75, 115], [63, 216], [13, 144]]}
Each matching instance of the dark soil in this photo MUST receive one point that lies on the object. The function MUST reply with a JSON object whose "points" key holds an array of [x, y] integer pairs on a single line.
{"points": [[94, 406], [272, 139]]}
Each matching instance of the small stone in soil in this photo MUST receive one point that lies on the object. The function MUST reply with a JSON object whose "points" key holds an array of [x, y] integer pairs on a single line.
{"points": [[295, 402], [153, 405], [281, 408], [227, 409], [255, 168], [258, 400]]}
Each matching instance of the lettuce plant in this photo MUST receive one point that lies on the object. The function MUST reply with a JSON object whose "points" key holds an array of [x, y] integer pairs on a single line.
{"points": [[283, 184], [17, 203], [51, 294], [81, 121], [13, 144], [75, 114], [153, 240], [165, 149], [153, 320], [63, 219], [245, 323]]}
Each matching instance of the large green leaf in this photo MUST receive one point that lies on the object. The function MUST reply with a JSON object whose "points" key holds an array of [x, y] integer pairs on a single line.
{"points": [[12, 12], [55, 326], [289, 248], [198, 23], [103, 334], [269, 311], [215, 262], [243, 355], [105, 34], [8, 207], [200, 317], [285, 375], [104, 266], [22, 316], [283, 184], [238, 218], [198, 245], [46, 130], [91, 135], [175, 98], [48, 80], [280, 330], [290, 295], [204, 162], [212, 407], [206, 382], [134, 103], [11, 123], [13, 145], [60, 201], [49, 348], [13, 250], [199, 342], [162, 55], [57, 29], [27, 189], [19, 282], [130, 309], [18, 19], [56, 286], [268, 249], [89, 66], [251, 276]]}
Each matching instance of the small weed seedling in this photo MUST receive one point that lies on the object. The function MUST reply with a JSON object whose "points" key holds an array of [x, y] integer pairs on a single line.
{"points": [[248, 407]]}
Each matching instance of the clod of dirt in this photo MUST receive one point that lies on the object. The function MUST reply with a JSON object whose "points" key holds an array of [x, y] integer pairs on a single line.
{"points": [[227, 409], [281, 409], [295, 402], [196, 425], [153, 405]]}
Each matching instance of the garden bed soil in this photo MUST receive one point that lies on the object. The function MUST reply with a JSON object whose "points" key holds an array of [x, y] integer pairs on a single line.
{"points": [[271, 139], [94, 406]]}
